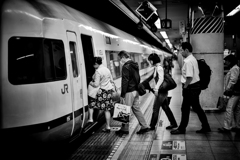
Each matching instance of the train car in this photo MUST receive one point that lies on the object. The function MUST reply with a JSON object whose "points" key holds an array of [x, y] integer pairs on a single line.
{"points": [[46, 65]]}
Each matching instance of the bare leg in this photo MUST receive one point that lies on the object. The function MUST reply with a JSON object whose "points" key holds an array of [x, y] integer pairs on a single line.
{"points": [[90, 111], [107, 116]]}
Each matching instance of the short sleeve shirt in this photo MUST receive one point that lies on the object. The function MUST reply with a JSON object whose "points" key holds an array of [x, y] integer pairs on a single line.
{"points": [[190, 69]]}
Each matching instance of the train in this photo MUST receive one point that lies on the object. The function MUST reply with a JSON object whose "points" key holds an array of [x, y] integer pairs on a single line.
{"points": [[46, 64]]}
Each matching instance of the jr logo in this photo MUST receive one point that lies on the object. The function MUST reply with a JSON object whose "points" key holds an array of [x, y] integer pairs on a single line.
{"points": [[64, 89]]}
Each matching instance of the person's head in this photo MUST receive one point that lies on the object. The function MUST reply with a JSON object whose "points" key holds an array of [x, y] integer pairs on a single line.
{"points": [[124, 56], [97, 61], [186, 49], [230, 61], [154, 59]]}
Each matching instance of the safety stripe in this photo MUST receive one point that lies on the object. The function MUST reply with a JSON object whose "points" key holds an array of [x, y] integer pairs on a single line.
{"points": [[208, 25]]}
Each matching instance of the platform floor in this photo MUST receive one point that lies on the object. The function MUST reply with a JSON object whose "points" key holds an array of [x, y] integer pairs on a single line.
{"points": [[160, 144]]}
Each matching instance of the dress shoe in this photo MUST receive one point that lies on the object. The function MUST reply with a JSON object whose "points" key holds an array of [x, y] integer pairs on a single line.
{"points": [[235, 129], [204, 130], [223, 130], [172, 126], [122, 132], [152, 128], [177, 131], [141, 131], [105, 130]]}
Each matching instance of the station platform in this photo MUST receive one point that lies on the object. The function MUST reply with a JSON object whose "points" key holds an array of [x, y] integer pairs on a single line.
{"points": [[160, 144]]}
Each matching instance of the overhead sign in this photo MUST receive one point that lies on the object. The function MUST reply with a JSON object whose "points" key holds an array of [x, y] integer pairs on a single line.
{"points": [[166, 23], [145, 10]]}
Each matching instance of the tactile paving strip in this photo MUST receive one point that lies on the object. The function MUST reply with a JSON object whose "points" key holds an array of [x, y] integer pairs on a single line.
{"points": [[139, 146]]}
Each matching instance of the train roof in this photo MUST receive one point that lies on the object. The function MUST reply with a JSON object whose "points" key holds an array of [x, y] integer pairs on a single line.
{"points": [[54, 9]]}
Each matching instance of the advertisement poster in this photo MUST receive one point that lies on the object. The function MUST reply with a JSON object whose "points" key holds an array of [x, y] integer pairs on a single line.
{"points": [[173, 157], [153, 157], [173, 145]]}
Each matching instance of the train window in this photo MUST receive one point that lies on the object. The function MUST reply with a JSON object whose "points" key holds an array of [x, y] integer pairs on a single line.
{"points": [[35, 60], [113, 63], [73, 58]]}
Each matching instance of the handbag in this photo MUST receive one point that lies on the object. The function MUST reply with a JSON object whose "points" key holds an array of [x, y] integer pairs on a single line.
{"points": [[92, 91], [222, 103], [115, 94], [168, 83], [121, 113]]}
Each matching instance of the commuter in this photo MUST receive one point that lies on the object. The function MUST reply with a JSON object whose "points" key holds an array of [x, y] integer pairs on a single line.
{"points": [[191, 91], [161, 97], [102, 79], [232, 91], [129, 93]]}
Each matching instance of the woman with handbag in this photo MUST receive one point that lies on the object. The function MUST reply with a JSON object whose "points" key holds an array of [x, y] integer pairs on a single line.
{"points": [[103, 101], [231, 90], [161, 96]]}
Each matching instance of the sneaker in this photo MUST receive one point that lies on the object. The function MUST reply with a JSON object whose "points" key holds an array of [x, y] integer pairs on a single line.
{"points": [[141, 131], [203, 130], [172, 126]]}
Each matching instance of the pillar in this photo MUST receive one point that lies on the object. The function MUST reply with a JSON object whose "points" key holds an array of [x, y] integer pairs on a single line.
{"points": [[207, 39]]}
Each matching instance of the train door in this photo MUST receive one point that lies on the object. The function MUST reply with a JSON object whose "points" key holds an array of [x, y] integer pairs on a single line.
{"points": [[88, 52], [76, 82]]}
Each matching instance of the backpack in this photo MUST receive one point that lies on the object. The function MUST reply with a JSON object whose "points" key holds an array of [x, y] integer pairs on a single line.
{"points": [[204, 73]]}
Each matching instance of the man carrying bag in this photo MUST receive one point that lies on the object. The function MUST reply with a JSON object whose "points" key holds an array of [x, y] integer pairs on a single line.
{"points": [[129, 93]]}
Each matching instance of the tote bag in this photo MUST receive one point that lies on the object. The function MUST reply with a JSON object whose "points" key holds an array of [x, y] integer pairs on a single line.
{"points": [[92, 91], [121, 113], [168, 83]]}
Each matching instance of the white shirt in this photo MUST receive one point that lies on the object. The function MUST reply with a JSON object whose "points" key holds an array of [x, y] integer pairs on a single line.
{"points": [[159, 70], [190, 69], [103, 78]]}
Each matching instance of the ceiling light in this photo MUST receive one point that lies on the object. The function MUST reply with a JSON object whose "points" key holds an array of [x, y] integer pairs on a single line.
{"points": [[234, 11], [164, 35]]}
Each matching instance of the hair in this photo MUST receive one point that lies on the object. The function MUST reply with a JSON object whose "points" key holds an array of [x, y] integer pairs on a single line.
{"points": [[123, 53], [187, 45], [155, 58], [232, 59], [97, 60]]}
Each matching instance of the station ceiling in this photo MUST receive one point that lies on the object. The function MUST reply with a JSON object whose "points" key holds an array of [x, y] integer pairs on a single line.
{"points": [[176, 10]]}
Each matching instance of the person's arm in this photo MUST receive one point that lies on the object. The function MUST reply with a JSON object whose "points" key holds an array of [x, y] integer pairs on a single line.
{"points": [[188, 81], [189, 74], [125, 80], [160, 78], [96, 82], [233, 77]]}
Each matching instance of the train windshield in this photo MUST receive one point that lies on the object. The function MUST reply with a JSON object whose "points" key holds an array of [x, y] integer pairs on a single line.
{"points": [[35, 60]]}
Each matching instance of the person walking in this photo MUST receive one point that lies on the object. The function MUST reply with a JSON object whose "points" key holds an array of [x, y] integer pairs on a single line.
{"points": [[190, 91], [103, 101], [161, 97], [233, 91], [129, 93]]}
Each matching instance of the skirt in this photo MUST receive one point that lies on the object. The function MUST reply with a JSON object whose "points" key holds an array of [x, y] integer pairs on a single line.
{"points": [[103, 100]]}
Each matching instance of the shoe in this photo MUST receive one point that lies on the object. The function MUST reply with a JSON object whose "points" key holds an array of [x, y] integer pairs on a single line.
{"points": [[203, 130], [235, 129], [177, 131], [141, 131], [89, 122], [122, 132], [105, 130], [172, 126], [223, 130], [152, 128]]}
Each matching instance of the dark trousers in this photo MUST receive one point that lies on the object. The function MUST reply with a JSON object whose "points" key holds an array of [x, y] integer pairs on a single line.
{"points": [[191, 98], [162, 100]]}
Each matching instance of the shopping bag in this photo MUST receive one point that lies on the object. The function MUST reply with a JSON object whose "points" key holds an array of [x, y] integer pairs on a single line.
{"points": [[121, 113], [92, 91], [222, 103]]}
